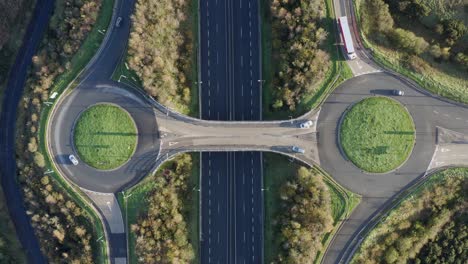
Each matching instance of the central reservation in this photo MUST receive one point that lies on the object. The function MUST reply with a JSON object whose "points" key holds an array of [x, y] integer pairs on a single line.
{"points": [[377, 134]]}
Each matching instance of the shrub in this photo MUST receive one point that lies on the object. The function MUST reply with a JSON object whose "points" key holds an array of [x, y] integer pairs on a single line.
{"points": [[165, 70], [297, 34], [408, 41], [306, 217]]}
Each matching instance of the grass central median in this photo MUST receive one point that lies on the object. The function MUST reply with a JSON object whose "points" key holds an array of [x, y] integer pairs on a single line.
{"points": [[105, 136], [377, 134]]}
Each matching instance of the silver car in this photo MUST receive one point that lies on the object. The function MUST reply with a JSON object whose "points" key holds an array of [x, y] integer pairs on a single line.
{"points": [[306, 124], [398, 92], [298, 150], [118, 21], [73, 159]]}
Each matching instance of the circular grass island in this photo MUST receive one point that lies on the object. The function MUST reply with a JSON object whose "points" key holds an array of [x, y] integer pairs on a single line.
{"points": [[105, 136], [377, 134]]}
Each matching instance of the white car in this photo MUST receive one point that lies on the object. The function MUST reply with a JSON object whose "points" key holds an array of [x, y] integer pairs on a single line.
{"points": [[73, 159], [298, 150], [118, 22], [398, 92], [306, 124]]}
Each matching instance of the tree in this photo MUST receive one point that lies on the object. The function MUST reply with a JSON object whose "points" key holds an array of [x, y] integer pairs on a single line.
{"points": [[378, 9], [453, 30], [408, 41], [39, 160]]}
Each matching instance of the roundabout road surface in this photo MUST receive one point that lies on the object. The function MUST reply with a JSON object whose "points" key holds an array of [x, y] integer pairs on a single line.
{"points": [[60, 133]]}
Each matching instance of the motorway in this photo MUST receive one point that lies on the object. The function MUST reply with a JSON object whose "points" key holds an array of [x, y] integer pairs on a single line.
{"points": [[242, 184], [231, 198]]}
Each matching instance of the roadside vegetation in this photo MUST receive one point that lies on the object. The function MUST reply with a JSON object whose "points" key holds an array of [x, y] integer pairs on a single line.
{"points": [[303, 209], [377, 134], [105, 136], [66, 227], [301, 64], [162, 213], [13, 25], [164, 57], [425, 40], [10, 247], [428, 226]]}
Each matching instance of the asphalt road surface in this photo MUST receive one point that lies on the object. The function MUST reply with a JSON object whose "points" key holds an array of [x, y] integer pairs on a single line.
{"points": [[232, 202], [378, 190], [13, 94]]}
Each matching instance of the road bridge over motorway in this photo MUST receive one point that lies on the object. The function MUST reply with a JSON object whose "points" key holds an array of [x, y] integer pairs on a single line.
{"points": [[163, 133]]}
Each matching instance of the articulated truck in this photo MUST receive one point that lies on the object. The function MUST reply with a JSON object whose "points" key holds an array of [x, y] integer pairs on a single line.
{"points": [[346, 36]]}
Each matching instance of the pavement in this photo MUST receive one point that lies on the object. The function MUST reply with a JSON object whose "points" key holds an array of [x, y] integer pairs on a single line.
{"points": [[13, 95]]}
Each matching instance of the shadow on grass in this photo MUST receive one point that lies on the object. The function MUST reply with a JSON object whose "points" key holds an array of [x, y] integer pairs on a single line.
{"points": [[114, 134], [399, 132], [379, 150], [93, 146]]}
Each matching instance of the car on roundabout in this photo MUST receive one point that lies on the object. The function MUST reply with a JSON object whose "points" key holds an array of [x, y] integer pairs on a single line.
{"points": [[73, 159], [306, 124], [297, 149], [398, 92]]}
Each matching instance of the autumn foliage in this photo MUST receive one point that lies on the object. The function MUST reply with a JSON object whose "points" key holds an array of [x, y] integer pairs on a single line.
{"points": [[305, 218], [297, 33], [161, 50]]}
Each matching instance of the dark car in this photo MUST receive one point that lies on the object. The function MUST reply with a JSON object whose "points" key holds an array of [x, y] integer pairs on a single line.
{"points": [[398, 92]]}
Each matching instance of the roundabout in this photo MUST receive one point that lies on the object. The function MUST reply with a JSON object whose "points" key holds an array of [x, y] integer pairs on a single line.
{"points": [[141, 134], [377, 134]]}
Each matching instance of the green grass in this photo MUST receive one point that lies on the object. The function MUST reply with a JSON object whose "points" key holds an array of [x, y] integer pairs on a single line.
{"points": [[135, 204], [105, 136], [377, 134], [279, 169], [338, 72]]}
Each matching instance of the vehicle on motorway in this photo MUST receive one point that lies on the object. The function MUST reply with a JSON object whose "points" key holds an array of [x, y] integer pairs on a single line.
{"points": [[118, 22], [73, 159], [306, 124], [346, 36], [398, 92], [297, 149]]}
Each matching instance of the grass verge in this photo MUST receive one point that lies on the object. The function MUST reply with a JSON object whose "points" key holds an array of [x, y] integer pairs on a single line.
{"points": [[377, 134], [133, 202], [339, 70], [105, 136], [280, 169]]}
